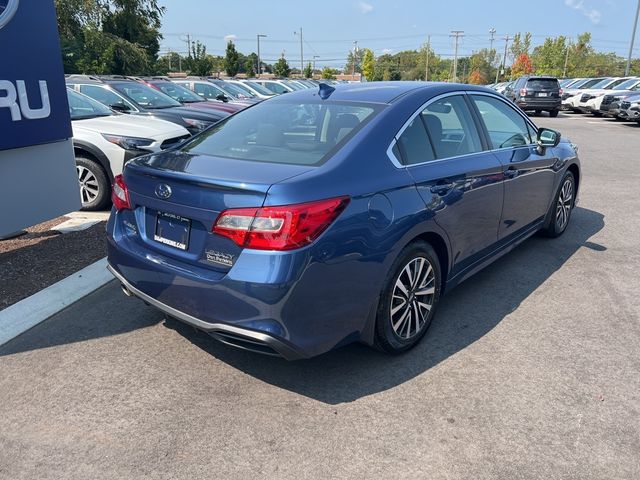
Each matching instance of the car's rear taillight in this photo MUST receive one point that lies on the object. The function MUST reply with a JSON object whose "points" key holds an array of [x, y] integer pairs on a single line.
{"points": [[120, 194], [284, 227], [561, 91], [523, 92]]}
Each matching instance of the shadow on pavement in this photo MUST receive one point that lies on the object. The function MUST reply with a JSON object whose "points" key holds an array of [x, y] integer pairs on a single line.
{"points": [[466, 314]]}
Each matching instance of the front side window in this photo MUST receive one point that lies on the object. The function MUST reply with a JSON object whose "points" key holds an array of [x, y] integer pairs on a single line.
{"points": [[292, 133], [451, 128], [506, 127]]}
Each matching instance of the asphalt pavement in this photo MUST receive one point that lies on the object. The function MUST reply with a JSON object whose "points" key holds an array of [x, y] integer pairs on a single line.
{"points": [[531, 370]]}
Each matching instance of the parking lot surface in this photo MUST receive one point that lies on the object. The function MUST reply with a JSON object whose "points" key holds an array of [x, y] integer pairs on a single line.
{"points": [[530, 370]]}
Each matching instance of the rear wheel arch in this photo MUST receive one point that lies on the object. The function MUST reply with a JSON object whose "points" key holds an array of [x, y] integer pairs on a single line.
{"points": [[81, 149], [441, 248]]}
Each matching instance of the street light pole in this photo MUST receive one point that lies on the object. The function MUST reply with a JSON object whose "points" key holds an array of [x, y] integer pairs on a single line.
{"points": [[259, 61], [301, 52], [633, 37], [314, 64]]}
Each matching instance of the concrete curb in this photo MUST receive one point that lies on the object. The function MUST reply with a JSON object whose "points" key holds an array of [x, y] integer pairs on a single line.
{"points": [[27, 313]]}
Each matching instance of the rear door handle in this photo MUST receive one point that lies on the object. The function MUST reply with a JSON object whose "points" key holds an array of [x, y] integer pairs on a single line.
{"points": [[511, 172], [442, 188]]}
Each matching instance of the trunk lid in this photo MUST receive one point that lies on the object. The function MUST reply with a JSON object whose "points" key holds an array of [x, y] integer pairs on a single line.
{"points": [[177, 197]]}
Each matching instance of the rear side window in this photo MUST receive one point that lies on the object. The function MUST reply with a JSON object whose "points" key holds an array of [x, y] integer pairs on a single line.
{"points": [[414, 144], [451, 128], [506, 127], [543, 84], [278, 132]]}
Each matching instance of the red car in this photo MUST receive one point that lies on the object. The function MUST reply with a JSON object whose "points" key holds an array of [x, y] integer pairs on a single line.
{"points": [[190, 99]]}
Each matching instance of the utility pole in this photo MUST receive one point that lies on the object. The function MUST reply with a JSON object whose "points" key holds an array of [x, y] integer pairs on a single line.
{"points": [[492, 32], [426, 68], [504, 61], [301, 53], [258, 36], [188, 42], [355, 58], [633, 37], [314, 63], [566, 60], [456, 34]]}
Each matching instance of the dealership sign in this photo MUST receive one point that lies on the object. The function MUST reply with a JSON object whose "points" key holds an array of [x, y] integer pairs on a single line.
{"points": [[33, 100], [38, 179]]}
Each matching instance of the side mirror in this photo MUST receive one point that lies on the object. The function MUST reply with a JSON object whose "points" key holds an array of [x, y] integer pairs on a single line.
{"points": [[222, 97], [547, 138], [120, 107]]}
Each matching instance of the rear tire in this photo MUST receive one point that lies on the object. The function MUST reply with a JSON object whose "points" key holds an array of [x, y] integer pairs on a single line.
{"points": [[553, 113], [538, 112], [560, 210], [94, 184], [409, 299]]}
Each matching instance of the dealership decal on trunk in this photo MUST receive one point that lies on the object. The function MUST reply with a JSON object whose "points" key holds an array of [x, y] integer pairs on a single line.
{"points": [[225, 259]]}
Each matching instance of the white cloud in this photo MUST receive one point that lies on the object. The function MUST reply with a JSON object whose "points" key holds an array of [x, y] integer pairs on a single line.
{"points": [[387, 51], [365, 7], [591, 13], [231, 37]]}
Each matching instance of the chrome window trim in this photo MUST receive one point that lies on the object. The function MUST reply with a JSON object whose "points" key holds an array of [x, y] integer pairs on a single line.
{"points": [[510, 105], [396, 162]]}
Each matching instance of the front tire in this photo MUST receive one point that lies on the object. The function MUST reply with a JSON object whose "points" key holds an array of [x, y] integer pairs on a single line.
{"points": [[409, 299], [560, 211], [94, 184], [553, 113]]}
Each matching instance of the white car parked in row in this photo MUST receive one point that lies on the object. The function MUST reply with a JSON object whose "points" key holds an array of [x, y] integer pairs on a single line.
{"points": [[104, 141], [590, 101]]}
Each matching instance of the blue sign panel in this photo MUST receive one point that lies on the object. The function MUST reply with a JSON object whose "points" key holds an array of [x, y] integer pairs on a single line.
{"points": [[33, 99]]}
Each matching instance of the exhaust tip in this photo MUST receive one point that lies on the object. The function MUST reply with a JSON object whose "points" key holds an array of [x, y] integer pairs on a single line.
{"points": [[125, 290]]}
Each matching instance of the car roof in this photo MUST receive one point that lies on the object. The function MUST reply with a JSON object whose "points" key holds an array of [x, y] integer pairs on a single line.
{"points": [[380, 92]]}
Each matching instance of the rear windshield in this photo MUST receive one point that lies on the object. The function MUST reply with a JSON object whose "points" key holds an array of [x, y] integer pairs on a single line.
{"points": [[542, 84], [278, 132]]}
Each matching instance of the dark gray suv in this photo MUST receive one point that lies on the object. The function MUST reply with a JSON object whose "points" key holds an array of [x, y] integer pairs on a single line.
{"points": [[536, 93]]}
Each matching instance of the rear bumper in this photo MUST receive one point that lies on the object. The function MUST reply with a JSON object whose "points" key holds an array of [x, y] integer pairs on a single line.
{"points": [[238, 337], [295, 304], [539, 104]]}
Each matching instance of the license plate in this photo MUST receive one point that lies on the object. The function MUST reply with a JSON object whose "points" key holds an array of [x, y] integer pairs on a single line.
{"points": [[172, 230], [542, 94]]}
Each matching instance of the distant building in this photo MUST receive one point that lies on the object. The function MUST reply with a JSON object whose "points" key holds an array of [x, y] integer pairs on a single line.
{"points": [[356, 77]]}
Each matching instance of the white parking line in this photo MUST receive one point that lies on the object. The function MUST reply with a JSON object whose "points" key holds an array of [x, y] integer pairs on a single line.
{"points": [[27, 313]]}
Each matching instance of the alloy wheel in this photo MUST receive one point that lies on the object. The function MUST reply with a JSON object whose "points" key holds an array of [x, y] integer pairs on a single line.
{"points": [[565, 202], [412, 298], [89, 186]]}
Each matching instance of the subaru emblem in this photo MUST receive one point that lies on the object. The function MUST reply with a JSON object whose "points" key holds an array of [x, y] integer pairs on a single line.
{"points": [[163, 191], [8, 9]]}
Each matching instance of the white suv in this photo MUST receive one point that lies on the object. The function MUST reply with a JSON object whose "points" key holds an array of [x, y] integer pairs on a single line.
{"points": [[104, 141]]}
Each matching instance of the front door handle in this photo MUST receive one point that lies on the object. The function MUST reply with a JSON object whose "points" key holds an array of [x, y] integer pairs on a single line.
{"points": [[442, 188]]}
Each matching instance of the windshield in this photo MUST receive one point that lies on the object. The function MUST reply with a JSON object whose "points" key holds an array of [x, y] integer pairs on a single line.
{"points": [[234, 90], [178, 92], [293, 85], [244, 88], [601, 84], [277, 132], [144, 96], [260, 89], [630, 83], [82, 107]]}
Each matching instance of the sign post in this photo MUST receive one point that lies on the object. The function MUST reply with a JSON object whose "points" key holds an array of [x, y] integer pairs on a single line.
{"points": [[38, 179]]}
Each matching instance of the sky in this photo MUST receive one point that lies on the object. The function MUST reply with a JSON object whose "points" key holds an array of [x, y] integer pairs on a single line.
{"points": [[329, 27]]}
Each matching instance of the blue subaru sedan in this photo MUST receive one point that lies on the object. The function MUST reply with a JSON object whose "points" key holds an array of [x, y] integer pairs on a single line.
{"points": [[338, 215]]}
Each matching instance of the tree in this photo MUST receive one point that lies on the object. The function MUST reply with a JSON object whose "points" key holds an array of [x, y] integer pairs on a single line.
{"points": [[483, 61], [520, 45], [308, 71], [368, 64], [281, 68], [354, 58], [231, 61], [199, 63], [329, 73], [248, 68], [548, 58], [477, 78], [521, 66]]}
